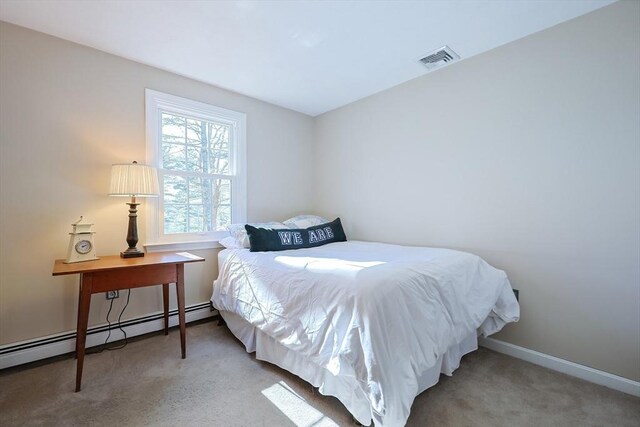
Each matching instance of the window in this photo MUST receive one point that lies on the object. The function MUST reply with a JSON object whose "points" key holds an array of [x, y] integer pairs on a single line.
{"points": [[199, 151]]}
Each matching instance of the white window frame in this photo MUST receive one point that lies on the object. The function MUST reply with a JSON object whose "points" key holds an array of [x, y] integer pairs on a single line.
{"points": [[155, 104]]}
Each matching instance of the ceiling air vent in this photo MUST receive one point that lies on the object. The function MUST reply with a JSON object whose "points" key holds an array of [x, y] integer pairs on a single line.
{"points": [[439, 57]]}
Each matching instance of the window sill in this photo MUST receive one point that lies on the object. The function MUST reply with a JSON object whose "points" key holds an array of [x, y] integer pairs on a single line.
{"points": [[181, 246]]}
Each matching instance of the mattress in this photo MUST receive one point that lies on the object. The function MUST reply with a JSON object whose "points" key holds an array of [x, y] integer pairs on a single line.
{"points": [[369, 323]]}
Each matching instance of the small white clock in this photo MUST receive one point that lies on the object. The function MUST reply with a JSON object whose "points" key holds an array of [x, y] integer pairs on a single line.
{"points": [[81, 247]]}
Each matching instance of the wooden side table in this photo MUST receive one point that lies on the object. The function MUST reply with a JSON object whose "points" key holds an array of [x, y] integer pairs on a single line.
{"points": [[112, 273]]}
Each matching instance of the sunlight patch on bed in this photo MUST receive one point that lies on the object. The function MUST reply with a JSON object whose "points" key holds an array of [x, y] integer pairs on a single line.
{"points": [[295, 407], [326, 264]]}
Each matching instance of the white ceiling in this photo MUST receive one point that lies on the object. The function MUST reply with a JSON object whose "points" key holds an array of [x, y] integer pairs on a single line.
{"points": [[310, 56]]}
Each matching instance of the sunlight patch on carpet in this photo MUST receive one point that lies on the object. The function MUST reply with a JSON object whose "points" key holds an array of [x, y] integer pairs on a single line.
{"points": [[295, 407]]}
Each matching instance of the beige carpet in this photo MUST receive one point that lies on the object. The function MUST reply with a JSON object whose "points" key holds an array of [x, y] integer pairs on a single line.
{"points": [[219, 384]]}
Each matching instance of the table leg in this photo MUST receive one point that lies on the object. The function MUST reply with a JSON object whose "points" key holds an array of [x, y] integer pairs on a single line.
{"points": [[165, 300], [180, 295], [75, 356], [83, 318]]}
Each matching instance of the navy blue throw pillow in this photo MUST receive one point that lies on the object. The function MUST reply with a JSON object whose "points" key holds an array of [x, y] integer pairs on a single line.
{"points": [[270, 239]]}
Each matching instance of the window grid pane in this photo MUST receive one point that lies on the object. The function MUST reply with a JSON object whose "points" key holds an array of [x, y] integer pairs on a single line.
{"points": [[195, 145], [194, 203]]}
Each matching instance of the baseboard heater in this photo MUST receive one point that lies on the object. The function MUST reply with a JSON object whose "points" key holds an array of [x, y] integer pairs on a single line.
{"points": [[55, 345]]}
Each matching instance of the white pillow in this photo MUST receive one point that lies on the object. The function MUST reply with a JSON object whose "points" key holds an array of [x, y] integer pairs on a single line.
{"points": [[230, 243], [239, 233], [305, 221]]}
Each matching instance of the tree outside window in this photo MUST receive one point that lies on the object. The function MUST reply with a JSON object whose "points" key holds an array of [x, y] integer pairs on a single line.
{"points": [[196, 167]]}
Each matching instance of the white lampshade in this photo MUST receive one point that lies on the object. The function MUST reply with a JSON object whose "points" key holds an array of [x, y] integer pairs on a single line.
{"points": [[133, 180]]}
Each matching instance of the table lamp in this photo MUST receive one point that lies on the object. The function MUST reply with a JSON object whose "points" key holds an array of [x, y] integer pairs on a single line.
{"points": [[133, 180]]}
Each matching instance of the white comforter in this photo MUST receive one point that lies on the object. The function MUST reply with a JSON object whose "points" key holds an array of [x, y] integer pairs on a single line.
{"points": [[380, 313]]}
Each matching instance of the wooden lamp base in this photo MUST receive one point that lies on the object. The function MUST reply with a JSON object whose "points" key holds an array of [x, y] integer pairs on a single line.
{"points": [[132, 232], [131, 253]]}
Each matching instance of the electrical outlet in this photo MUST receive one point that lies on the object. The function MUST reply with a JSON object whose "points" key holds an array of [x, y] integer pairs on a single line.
{"points": [[112, 294], [517, 292]]}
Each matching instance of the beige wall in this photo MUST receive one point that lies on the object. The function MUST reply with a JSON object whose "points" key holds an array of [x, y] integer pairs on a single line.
{"points": [[67, 113], [528, 155]]}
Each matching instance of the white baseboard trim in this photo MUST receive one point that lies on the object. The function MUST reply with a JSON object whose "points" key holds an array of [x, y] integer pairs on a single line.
{"points": [[595, 376], [15, 354]]}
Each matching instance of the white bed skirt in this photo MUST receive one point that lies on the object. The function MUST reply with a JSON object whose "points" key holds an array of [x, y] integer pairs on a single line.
{"points": [[345, 389]]}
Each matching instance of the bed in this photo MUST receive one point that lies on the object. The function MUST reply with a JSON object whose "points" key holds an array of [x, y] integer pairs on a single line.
{"points": [[372, 324]]}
